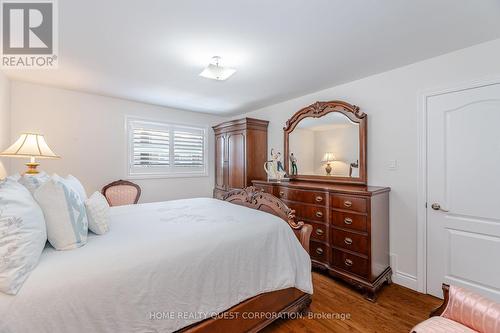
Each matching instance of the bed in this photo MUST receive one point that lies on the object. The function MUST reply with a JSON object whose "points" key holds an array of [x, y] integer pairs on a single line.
{"points": [[170, 266]]}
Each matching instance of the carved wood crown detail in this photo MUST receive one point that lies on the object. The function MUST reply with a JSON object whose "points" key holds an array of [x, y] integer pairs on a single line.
{"points": [[253, 198], [319, 109]]}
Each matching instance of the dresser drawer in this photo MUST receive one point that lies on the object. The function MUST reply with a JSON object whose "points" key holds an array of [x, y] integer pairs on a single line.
{"points": [[317, 251], [349, 220], [319, 231], [349, 202], [264, 188], [350, 262], [308, 212], [318, 198], [350, 241]]}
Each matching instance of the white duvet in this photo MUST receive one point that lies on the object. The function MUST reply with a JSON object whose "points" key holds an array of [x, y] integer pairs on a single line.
{"points": [[161, 267]]}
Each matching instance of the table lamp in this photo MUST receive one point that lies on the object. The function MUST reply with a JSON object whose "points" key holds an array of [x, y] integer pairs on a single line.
{"points": [[328, 158], [30, 145]]}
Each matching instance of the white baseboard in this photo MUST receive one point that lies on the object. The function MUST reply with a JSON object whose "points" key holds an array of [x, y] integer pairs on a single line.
{"points": [[402, 278], [405, 280]]}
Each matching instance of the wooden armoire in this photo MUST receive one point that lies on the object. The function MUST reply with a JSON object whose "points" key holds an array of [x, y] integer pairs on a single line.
{"points": [[240, 154]]}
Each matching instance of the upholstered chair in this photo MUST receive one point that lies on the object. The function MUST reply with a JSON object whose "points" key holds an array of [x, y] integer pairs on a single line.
{"points": [[462, 312], [121, 192]]}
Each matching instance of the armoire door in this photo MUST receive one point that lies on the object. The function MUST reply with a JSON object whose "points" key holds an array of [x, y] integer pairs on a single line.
{"points": [[220, 157], [236, 160], [463, 205]]}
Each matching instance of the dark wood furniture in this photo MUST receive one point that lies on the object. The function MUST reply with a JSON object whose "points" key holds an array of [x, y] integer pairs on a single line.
{"points": [[240, 154], [318, 110], [121, 192], [241, 318], [350, 220], [446, 299], [350, 237]]}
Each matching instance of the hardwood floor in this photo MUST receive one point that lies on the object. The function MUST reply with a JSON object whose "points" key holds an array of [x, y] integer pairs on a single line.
{"points": [[397, 309]]}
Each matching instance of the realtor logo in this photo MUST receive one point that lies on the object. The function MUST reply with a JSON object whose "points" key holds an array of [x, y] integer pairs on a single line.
{"points": [[29, 34]]}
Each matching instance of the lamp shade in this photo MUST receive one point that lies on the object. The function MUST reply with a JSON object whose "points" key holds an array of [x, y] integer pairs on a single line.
{"points": [[29, 145], [328, 157]]}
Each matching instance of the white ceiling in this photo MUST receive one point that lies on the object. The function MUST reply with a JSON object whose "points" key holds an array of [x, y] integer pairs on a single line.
{"points": [[152, 51]]}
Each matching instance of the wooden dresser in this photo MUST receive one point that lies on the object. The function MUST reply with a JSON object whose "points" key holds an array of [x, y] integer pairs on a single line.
{"points": [[350, 237], [240, 154]]}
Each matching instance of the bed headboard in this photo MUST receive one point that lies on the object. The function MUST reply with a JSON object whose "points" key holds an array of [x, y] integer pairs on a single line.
{"points": [[256, 199]]}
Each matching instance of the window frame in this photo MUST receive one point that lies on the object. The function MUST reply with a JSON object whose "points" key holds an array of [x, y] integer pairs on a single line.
{"points": [[170, 171]]}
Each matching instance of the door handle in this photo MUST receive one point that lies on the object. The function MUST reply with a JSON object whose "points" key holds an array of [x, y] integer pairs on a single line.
{"points": [[437, 206]]}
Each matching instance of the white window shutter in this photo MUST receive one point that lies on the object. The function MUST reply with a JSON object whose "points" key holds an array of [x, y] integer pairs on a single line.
{"points": [[151, 147], [158, 149], [188, 148]]}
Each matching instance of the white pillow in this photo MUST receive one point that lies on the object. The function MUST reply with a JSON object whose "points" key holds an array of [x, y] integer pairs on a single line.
{"points": [[97, 213], [65, 215], [15, 177], [73, 183], [22, 235], [32, 182]]}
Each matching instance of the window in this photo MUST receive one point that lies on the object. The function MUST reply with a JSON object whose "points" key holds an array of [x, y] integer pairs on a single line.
{"points": [[159, 149]]}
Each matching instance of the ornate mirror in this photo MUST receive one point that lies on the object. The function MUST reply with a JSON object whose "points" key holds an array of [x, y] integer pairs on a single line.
{"points": [[327, 141]]}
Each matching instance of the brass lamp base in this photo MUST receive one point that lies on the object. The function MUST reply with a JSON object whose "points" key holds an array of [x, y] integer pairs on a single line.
{"points": [[328, 169], [32, 168]]}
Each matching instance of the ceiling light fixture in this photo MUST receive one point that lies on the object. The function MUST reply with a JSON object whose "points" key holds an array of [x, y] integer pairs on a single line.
{"points": [[217, 72]]}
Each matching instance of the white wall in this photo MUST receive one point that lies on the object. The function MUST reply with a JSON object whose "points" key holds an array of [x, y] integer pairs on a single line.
{"points": [[301, 141], [391, 100], [4, 122], [343, 142], [88, 131]]}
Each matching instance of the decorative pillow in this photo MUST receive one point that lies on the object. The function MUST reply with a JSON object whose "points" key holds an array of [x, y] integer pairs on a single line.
{"points": [[32, 182], [97, 213], [74, 184], [22, 235], [65, 215]]}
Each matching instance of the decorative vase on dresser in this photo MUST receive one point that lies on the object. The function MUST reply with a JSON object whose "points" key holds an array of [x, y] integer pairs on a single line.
{"points": [[240, 154], [350, 239]]}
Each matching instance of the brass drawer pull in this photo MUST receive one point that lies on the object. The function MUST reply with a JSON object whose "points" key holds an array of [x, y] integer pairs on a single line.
{"points": [[348, 220], [319, 214], [319, 232], [319, 251], [348, 262], [282, 193], [319, 198], [348, 240], [347, 203]]}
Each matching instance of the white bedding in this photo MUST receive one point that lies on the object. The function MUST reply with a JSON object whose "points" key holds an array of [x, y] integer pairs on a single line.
{"points": [[198, 256]]}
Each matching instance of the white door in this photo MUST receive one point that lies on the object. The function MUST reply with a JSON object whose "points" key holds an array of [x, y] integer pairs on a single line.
{"points": [[463, 168]]}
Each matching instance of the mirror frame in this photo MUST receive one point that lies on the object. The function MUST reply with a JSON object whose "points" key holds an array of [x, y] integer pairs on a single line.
{"points": [[318, 110]]}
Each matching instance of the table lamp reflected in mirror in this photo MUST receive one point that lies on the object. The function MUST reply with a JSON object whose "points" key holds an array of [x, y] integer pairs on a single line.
{"points": [[32, 146], [328, 158]]}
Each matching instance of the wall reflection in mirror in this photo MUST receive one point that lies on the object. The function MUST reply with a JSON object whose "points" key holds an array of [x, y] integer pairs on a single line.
{"points": [[325, 146]]}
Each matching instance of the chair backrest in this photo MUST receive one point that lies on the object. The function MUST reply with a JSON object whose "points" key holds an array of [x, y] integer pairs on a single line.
{"points": [[121, 192], [472, 310]]}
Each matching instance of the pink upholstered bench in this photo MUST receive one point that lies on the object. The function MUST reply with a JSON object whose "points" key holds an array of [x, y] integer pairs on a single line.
{"points": [[462, 312]]}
